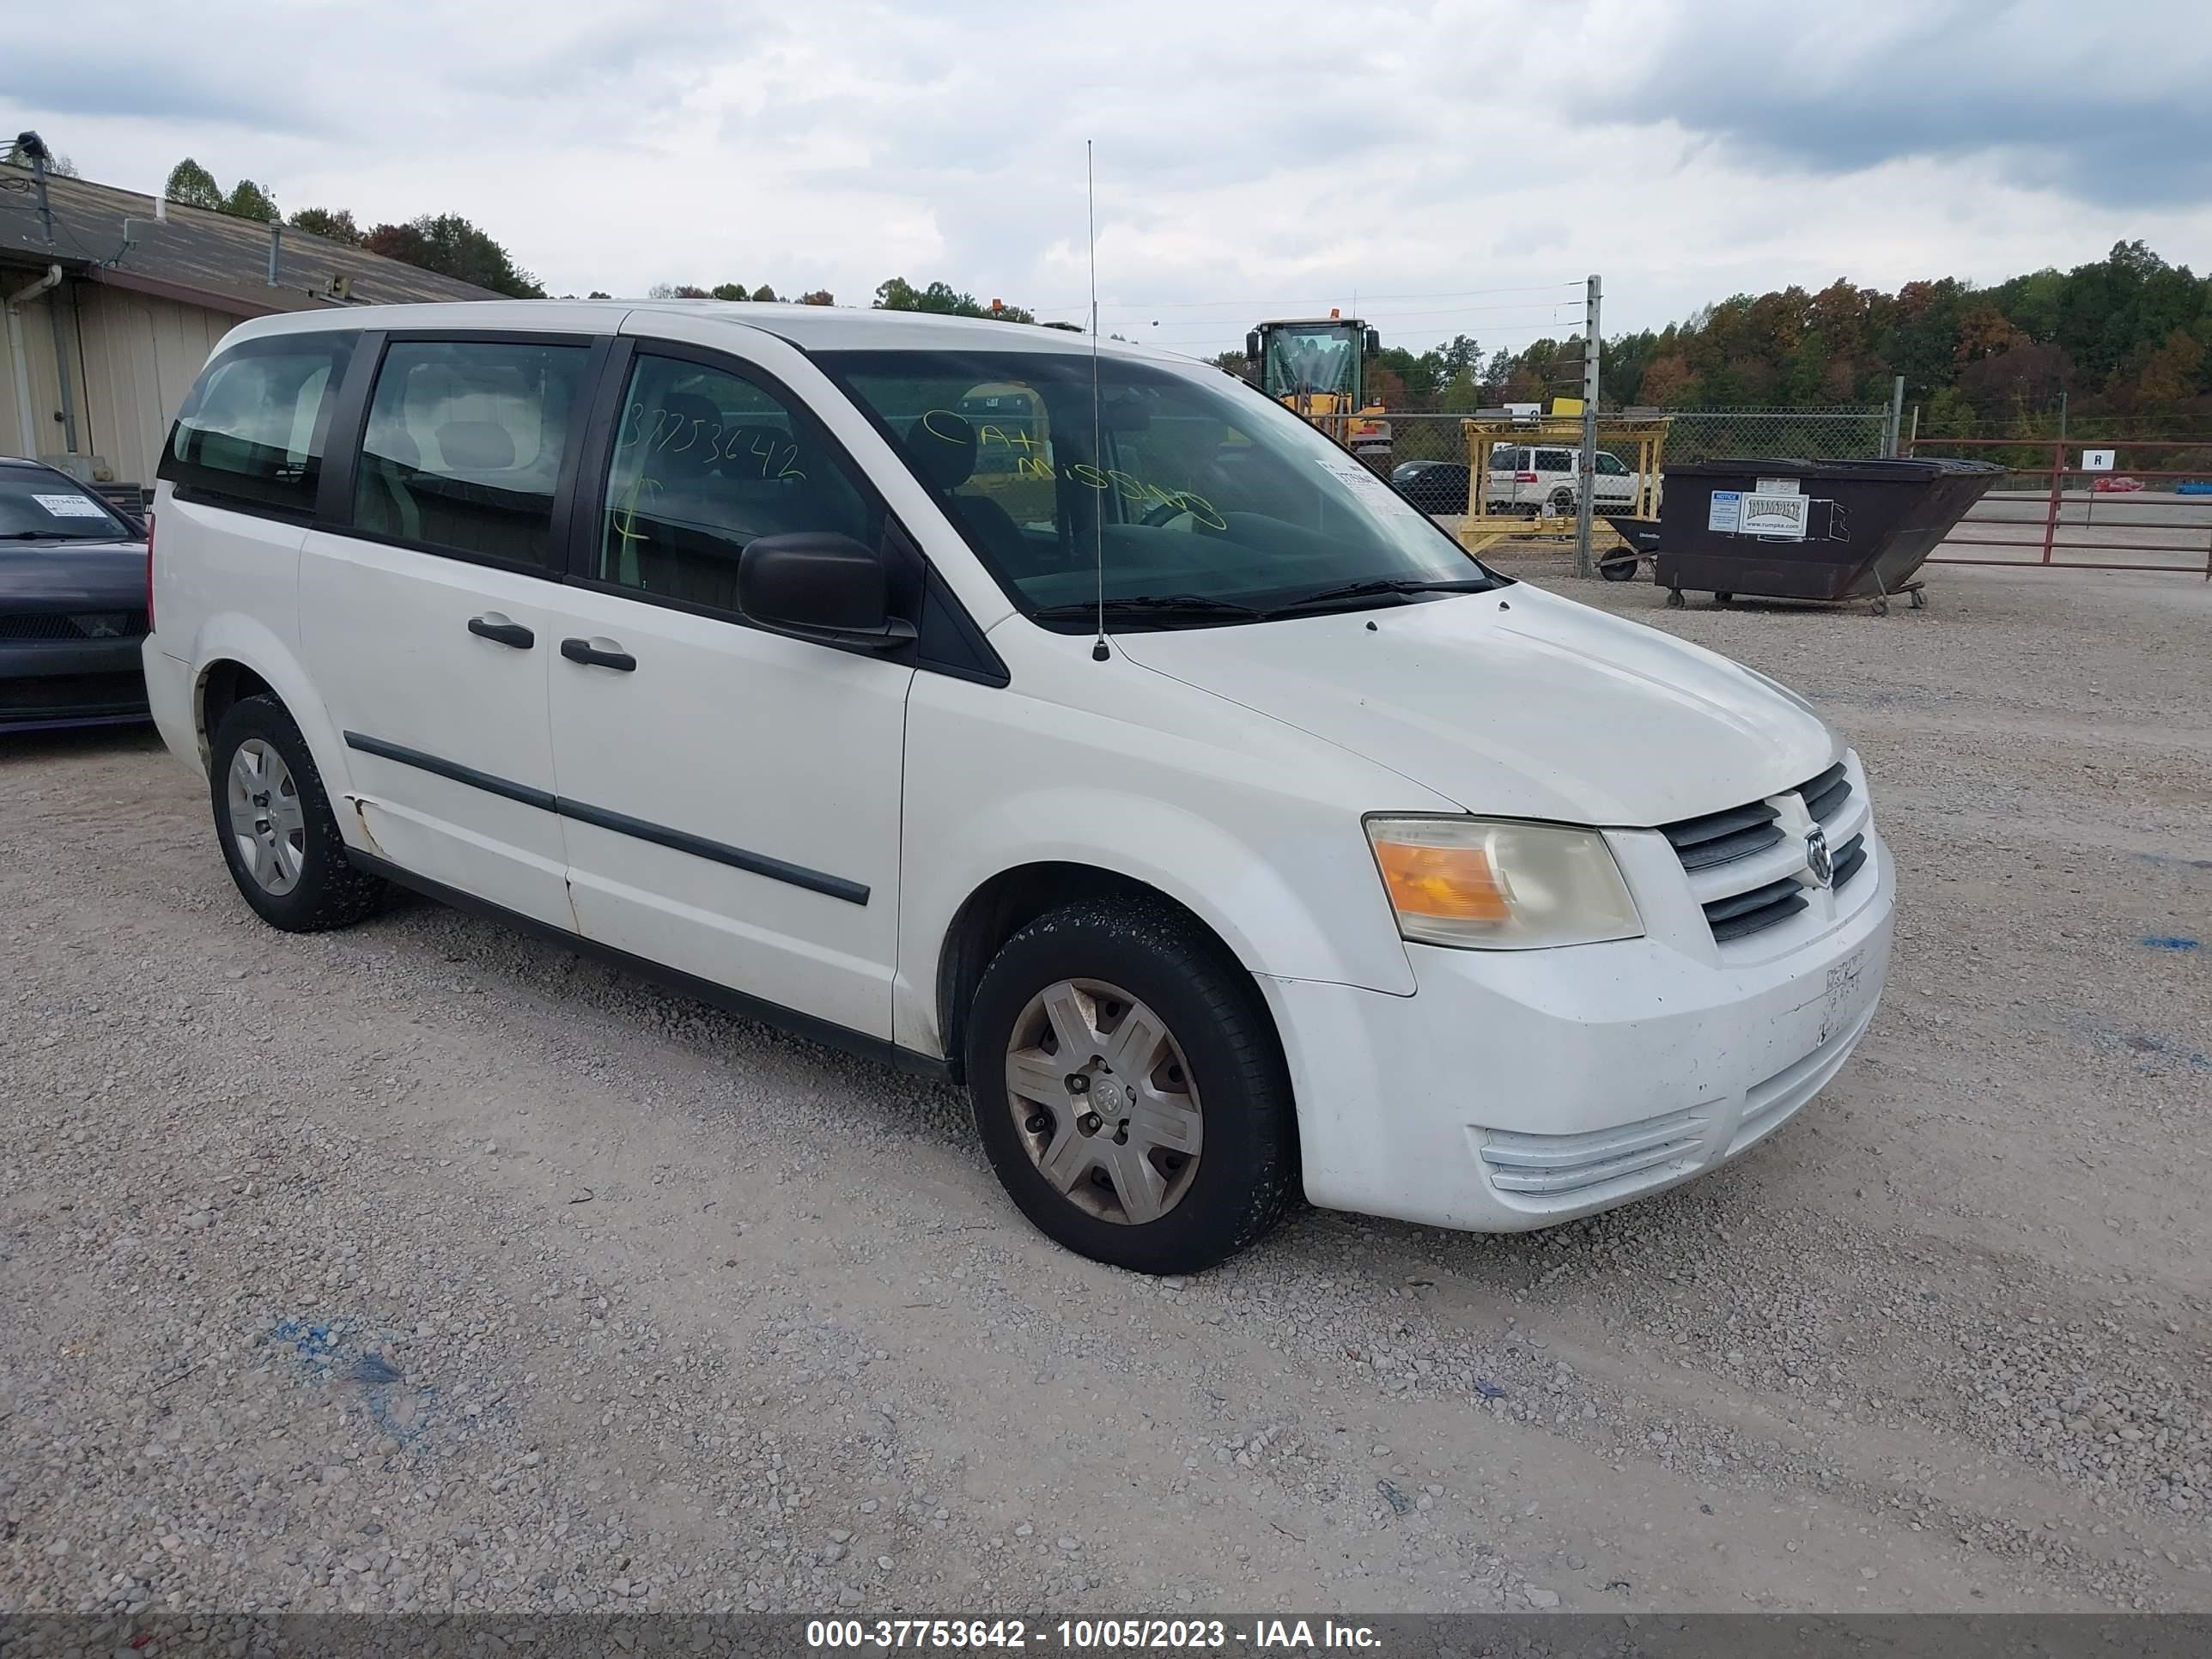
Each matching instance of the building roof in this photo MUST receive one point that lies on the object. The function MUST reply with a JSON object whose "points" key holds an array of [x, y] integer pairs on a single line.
{"points": [[199, 257]]}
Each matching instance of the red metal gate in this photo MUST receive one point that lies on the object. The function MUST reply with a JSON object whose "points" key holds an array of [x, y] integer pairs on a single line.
{"points": [[2061, 523]]}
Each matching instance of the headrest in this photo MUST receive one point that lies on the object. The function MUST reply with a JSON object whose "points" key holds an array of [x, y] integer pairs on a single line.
{"points": [[485, 445], [943, 445]]}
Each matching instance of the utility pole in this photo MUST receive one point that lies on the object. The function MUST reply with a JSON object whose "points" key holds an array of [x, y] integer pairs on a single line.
{"points": [[1896, 417], [1586, 473]]}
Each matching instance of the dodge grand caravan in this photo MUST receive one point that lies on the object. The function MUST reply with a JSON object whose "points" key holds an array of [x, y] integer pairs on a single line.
{"points": [[1084, 729]]}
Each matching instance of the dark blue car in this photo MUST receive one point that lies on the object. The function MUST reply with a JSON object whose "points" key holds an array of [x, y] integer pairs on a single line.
{"points": [[72, 603]]}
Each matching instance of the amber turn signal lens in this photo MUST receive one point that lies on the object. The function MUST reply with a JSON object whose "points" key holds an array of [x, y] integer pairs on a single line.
{"points": [[1453, 884]]}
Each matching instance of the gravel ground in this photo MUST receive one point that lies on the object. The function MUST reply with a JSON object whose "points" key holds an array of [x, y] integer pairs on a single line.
{"points": [[425, 1266]]}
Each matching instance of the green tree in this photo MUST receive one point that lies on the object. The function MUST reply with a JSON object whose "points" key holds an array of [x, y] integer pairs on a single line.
{"points": [[820, 296], [333, 224], [451, 247], [194, 185], [764, 294], [247, 200], [730, 291]]}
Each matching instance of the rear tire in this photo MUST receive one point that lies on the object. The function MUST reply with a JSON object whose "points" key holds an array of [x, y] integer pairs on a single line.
{"points": [[1080, 1161], [273, 820]]}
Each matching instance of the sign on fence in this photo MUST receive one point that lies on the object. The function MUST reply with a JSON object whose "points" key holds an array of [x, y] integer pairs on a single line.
{"points": [[2096, 460]]}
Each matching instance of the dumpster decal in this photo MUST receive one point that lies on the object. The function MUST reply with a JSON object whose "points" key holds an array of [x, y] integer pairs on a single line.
{"points": [[1726, 512], [1776, 515]]}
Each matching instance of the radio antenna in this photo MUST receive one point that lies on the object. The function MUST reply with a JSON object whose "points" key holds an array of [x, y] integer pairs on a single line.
{"points": [[1098, 651]]}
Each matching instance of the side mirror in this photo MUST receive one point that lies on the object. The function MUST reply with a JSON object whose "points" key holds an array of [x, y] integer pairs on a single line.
{"points": [[820, 585], [1374, 344], [1252, 347]]}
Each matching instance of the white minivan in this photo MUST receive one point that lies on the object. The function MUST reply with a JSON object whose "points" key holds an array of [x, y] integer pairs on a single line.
{"points": [[1068, 721]]}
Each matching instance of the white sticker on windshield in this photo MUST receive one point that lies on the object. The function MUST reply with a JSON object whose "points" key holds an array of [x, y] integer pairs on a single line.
{"points": [[70, 507], [1370, 488]]}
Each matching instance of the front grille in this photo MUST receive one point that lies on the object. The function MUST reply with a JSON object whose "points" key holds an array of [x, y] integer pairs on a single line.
{"points": [[63, 695], [78, 625], [1762, 907], [1824, 795], [1849, 858], [1724, 837]]}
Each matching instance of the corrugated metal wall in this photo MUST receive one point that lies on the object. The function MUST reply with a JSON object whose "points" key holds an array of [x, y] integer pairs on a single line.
{"points": [[133, 358], [38, 333], [141, 355]]}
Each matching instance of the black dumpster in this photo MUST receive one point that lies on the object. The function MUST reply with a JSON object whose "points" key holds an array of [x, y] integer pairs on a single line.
{"points": [[1810, 530]]}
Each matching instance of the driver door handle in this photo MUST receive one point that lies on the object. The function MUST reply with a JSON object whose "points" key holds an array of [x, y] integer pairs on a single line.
{"points": [[493, 626], [584, 651]]}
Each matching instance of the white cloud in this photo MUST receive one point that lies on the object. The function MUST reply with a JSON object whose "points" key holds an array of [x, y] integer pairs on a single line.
{"points": [[1254, 159]]}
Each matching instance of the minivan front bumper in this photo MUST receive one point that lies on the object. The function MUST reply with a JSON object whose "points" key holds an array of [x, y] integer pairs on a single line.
{"points": [[1515, 1090]]}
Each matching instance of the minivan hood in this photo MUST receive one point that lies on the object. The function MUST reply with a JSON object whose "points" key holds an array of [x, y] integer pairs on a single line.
{"points": [[1516, 703]]}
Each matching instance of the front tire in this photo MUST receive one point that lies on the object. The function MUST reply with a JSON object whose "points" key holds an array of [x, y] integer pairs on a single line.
{"points": [[1129, 1090], [273, 820]]}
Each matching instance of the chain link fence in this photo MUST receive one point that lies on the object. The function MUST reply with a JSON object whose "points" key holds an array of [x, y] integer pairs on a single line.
{"points": [[1696, 435]]}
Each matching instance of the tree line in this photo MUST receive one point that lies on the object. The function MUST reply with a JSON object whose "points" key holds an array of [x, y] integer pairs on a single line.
{"points": [[2128, 337]]}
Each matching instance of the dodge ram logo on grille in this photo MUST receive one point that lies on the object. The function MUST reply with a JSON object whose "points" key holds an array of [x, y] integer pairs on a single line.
{"points": [[1821, 867]]}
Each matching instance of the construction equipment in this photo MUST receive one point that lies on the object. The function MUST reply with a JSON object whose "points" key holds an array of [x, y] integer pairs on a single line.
{"points": [[1315, 365]]}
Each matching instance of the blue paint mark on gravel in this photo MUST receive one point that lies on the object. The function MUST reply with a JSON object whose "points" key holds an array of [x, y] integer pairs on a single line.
{"points": [[2169, 942]]}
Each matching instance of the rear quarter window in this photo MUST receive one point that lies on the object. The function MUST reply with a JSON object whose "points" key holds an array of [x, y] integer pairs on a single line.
{"points": [[251, 433]]}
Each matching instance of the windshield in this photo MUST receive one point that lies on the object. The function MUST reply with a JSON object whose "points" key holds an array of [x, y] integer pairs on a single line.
{"points": [[47, 506], [1317, 359], [1196, 490]]}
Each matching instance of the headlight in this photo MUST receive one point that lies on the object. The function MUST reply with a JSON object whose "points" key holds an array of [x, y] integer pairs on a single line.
{"points": [[1496, 885]]}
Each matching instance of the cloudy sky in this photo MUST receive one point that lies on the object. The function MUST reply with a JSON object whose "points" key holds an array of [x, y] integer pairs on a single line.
{"points": [[1449, 167]]}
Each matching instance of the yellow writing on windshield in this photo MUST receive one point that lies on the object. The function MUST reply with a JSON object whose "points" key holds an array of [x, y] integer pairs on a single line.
{"points": [[1035, 462]]}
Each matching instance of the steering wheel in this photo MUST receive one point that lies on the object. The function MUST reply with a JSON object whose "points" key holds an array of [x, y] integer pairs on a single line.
{"points": [[1164, 514]]}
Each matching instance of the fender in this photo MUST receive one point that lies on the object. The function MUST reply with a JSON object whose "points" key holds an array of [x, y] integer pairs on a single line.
{"points": [[234, 636], [1332, 922]]}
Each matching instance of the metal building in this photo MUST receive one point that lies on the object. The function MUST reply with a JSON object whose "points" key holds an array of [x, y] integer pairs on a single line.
{"points": [[112, 299]]}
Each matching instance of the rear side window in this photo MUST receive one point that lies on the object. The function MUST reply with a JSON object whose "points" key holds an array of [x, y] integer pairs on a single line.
{"points": [[251, 432], [463, 448], [1554, 460]]}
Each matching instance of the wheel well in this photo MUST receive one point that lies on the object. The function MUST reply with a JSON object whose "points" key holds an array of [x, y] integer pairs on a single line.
{"points": [[223, 685], [1009, 902]]}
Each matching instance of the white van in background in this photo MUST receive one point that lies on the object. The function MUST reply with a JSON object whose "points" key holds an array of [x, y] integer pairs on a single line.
{"points": [[1540, 477], [1087, 730]]}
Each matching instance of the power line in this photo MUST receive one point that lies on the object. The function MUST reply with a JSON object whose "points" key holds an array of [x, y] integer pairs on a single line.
{"points": [[1176, 304]]}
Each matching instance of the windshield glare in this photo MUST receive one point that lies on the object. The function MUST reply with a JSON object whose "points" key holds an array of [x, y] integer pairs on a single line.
{"points": [[47, 506], [1195, 487]]}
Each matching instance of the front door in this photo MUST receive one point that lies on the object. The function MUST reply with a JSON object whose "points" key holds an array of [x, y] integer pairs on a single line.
{"points": [[730, 796]]}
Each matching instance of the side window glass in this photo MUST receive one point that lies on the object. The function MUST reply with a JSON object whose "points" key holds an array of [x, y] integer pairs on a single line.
{"points": [[705, 462], [464, 443], [247, 430]]}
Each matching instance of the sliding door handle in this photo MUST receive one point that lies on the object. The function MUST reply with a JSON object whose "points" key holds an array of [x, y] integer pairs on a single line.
{"points": [[584, 651], [493, 626]]}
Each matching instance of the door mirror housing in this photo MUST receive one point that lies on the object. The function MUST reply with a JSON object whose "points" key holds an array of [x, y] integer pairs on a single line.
{"points": [[820, 585]]}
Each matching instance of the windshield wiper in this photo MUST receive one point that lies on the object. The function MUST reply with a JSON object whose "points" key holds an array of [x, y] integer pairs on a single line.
{"points": [[1375, 587], [1149, 604]]}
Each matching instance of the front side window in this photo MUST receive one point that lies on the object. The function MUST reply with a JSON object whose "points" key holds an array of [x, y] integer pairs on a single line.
{"points": [[39, 506], [705, 462], [1186, 485], [464, 445], [250, 433], [1554, 460], [1610, 465]]}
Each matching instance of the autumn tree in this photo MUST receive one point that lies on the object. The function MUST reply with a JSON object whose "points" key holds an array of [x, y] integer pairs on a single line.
{"points": [[451, 247]]}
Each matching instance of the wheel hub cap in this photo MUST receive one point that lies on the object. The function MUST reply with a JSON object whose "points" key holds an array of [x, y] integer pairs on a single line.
{"points": [[1103, 1101], [267, 825]]}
